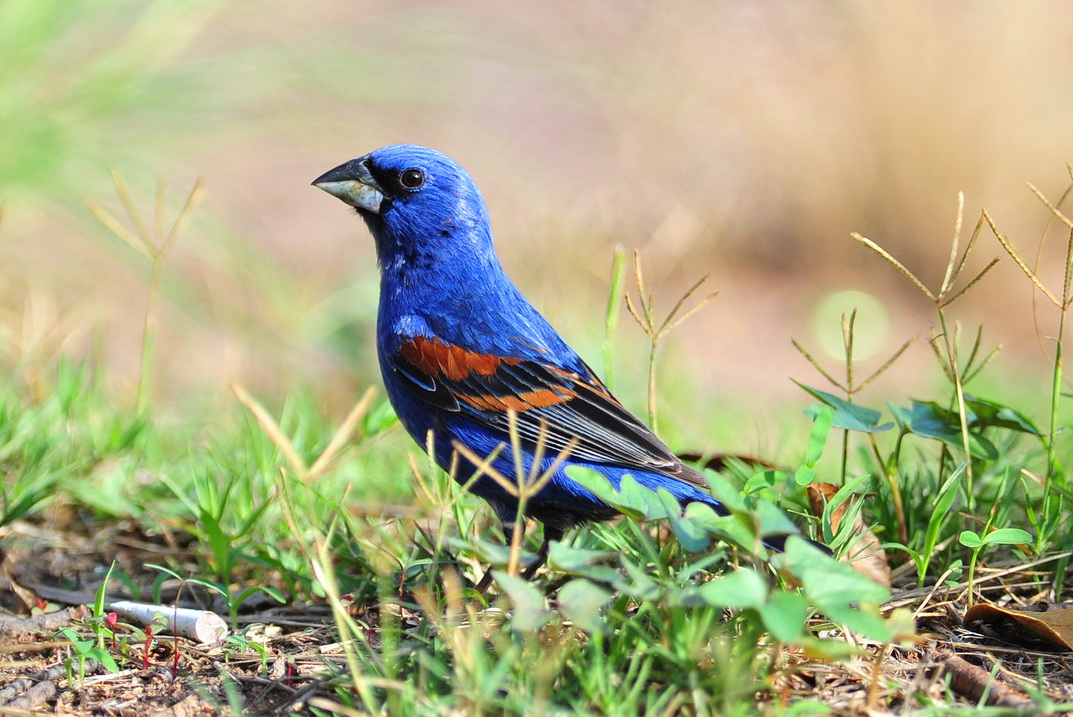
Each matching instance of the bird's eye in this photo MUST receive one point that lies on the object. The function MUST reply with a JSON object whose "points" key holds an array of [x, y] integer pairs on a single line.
{"points": [[412, 178]]}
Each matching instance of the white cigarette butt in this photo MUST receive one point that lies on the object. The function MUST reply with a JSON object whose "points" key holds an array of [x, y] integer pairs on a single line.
{"points": [[206, 627]]}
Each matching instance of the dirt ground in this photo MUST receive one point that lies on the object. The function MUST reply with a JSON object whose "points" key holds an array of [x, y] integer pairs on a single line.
{"points": [[45, 572], [993, 664]]}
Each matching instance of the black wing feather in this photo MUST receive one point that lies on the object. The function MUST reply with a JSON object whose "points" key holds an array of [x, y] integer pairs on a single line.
{"points": [[580, 408]]}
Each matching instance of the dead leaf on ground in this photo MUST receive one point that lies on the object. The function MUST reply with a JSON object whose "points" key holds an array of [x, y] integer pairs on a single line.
{"points": [[866, 554], [1053, 625]]}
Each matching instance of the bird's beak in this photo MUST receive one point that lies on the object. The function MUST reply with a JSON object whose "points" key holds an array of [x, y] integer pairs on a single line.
{"points": [[352, 183]]}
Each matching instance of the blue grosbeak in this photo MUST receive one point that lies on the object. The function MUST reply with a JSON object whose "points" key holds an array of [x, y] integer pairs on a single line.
{"points": [[460, 348]]}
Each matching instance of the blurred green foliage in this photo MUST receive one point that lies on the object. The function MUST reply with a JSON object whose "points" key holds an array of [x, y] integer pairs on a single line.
{"points": [[88, 84]]}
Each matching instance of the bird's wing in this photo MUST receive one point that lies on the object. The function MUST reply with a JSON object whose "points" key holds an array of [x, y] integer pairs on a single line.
{"points": [[562, 404]]}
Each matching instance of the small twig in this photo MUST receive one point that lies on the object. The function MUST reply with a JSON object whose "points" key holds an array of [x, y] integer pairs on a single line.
{"points": [[37, 688], [36, 696], [13, 629], [24, 683], [976, 684]]}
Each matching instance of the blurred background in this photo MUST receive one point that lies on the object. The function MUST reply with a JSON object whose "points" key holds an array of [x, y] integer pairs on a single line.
{"points": [[745, 140]]}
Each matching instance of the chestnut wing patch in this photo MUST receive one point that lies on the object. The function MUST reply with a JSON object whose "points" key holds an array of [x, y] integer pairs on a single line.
{"points": [[555, 403]]}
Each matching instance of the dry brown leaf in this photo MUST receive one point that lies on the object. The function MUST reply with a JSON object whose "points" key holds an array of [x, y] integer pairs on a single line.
{"points": [[1054, 625], [866, 554]]}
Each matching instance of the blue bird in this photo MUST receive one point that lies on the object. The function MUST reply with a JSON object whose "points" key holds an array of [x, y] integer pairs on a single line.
{"points": [[460, 348]]}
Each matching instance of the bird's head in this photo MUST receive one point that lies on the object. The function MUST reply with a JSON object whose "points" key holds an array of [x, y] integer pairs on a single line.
{"points": [[416, 201]]}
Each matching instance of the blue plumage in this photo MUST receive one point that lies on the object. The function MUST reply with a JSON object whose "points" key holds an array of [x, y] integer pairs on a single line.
{"points": [[459, 346]]}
